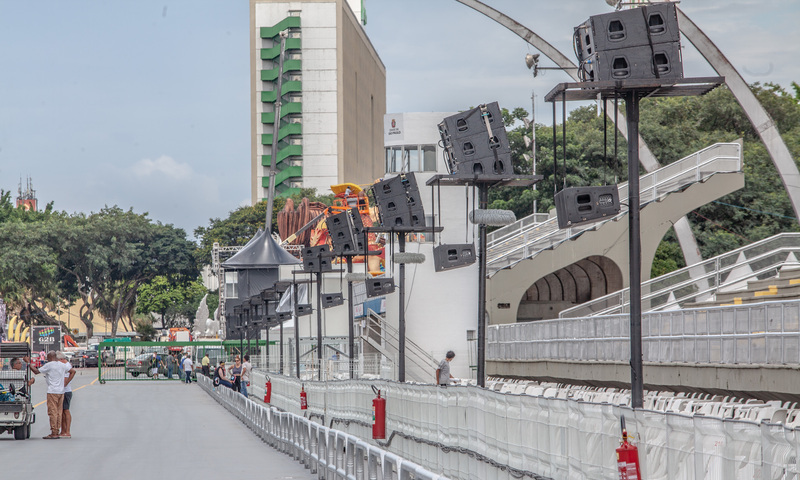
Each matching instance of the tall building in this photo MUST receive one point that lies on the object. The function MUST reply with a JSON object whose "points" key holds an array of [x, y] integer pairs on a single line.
{"points": [[333, 96]]}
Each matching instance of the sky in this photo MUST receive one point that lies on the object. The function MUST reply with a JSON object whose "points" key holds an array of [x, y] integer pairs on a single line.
{"points": [[145, 104]]}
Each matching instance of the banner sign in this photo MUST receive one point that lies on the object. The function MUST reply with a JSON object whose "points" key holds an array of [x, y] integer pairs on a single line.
{"points": [[45, 339]]}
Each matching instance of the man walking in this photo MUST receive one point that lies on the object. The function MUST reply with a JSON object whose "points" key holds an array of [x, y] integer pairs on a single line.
{"points": [[246, 367], [443, 372], [187, 368], [66, 416], [54, 373]]}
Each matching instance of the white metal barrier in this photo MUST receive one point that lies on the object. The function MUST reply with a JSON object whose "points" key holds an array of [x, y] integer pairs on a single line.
{"points": [[763, 334], [473, 433], [329, 453]]}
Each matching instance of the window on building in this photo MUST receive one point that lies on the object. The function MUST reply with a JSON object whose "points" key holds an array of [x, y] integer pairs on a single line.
{"points": [[411, 158], [231, 284]]}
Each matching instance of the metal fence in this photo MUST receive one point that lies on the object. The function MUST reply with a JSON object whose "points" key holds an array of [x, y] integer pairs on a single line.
{"points": [[135, 360], [326, 452], [474, 433], [764, 334], [513, 243]]}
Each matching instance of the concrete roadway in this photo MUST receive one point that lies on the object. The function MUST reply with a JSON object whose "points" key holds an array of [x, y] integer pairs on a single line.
{"points": [[142, 430]]}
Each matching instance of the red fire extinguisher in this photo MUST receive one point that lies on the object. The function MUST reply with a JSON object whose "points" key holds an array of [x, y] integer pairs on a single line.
{"points": [[628, 458], [303, 398], [378, 415], [268, 391]]}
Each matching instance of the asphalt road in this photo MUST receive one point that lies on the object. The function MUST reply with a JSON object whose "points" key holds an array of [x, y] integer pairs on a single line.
{"points": [[145, 431]]}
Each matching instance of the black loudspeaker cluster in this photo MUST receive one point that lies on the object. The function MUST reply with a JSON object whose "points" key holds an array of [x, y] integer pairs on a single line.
{"points": [[302, 309], [283, 316], [448, 257], [399, 201], [470, 148], [377, 287], [637, 44], [577, 205], [332, 300], [347, 233], [317, 259]]}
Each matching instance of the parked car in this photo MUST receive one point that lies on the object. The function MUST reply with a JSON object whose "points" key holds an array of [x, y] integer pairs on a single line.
{"points": [[78, 360], [90, 358], [140, 364]]}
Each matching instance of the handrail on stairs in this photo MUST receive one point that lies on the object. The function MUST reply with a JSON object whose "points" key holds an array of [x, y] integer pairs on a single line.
{"points": [[415, 354]]}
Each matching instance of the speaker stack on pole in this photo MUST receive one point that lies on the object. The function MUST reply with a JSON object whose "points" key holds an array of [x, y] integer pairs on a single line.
{"points": [[475, 142], [639, 43], [399, 202]]}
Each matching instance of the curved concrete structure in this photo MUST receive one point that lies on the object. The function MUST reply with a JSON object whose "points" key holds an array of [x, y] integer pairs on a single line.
{"points": [[758, 116], [688, 243], [609, 242]]}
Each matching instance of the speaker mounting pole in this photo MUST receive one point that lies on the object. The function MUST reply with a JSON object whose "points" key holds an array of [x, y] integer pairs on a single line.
{"points": [[632, 91]]}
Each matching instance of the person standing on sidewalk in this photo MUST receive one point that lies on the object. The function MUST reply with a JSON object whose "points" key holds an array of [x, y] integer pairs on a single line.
{"points": [[54, 373], [66, 416], [246, 367], [187, 368]]}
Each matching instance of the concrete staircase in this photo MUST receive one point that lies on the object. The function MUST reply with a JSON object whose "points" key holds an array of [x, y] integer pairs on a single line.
{"points": [[786, 286]]}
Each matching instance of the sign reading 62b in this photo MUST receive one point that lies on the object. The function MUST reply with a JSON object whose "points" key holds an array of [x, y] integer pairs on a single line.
{"points": [[45, 338]]}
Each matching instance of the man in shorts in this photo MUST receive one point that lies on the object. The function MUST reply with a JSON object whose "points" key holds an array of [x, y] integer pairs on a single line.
{"points": [[66, 416]]}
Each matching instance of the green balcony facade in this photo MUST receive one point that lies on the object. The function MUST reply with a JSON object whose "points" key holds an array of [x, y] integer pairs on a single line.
{"points": [[288, 132]]}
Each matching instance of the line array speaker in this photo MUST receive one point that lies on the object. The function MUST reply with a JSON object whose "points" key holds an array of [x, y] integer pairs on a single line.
{"points": [[576, 205], [332, 300], [317, 259], [302, 309], [377, 287], [345, 231], [399, 201], [471, 148], [449, 257]]}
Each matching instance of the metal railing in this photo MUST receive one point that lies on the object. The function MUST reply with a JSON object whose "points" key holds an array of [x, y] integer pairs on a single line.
{"points": [[471, 433], [326, 452], [761, 334], [513, 243], [700, 281], [419, 363]]}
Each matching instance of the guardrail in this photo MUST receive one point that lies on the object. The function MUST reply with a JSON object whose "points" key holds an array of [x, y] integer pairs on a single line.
{"points": [[326, 452], [524, 238], [762, 334], [700, 281], [474, 433]]}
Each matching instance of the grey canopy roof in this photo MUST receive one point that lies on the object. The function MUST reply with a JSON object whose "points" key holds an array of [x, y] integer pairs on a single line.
{"points": [[261, 251]]}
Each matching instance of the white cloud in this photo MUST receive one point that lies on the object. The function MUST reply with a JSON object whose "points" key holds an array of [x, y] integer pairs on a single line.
{"points": [[162, 166]]}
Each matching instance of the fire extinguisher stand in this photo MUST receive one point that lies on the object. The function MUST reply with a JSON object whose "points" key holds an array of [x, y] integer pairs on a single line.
{"points": [[303, 397], [627, 457]]}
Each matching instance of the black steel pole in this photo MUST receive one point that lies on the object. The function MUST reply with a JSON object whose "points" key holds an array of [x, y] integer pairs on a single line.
{"points": [[266, 324], [635, 250], [401, 362], [247, 331], [319, 326], [350, 328], [241, 340], [483, 201], [296, 330]]}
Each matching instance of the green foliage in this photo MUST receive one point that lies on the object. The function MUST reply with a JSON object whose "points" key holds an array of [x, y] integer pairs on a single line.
{"points": [[143, 325], [170, 299], [668, 256]]}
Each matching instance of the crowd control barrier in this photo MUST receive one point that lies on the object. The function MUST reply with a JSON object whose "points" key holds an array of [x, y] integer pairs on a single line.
{"points": [[467, 432], [326, 452]]}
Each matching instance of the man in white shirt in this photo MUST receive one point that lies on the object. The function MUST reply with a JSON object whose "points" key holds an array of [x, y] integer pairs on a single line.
{"points": [[246, 367], [66, 416], [54, 373], [187, 368]]}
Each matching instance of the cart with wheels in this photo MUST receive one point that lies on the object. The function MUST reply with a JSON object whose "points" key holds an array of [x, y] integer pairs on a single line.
{"points": [[16, 409]]}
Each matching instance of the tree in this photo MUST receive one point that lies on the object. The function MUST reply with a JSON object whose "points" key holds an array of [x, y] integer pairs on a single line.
{"points": [[170, 300]]}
